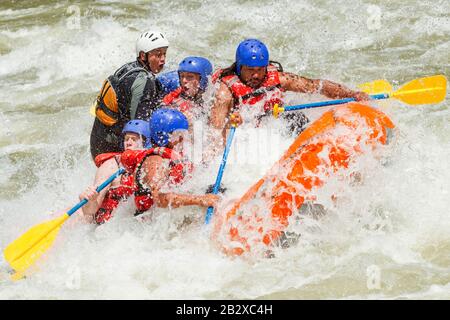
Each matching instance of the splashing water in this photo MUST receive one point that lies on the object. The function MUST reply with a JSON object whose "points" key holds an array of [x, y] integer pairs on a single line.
{"points": [[385, 238]]}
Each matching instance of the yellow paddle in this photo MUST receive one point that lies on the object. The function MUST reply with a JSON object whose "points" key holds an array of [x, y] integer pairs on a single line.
{"points": [[423, 90], [419, 91], [25, 250], [376, 87]]}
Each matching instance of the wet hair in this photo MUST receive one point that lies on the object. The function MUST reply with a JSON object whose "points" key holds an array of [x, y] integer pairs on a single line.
{"points": [[228, 71]]}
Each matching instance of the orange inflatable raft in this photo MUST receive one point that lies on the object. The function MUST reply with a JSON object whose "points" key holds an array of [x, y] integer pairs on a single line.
{"points": [[327, 147]]}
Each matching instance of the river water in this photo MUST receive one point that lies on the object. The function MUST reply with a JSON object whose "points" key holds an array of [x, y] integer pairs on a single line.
{"points": [[387, 239]]}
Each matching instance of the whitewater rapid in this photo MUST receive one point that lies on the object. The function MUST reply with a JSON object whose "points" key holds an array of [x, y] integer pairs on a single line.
{"points": [[387, 238]]}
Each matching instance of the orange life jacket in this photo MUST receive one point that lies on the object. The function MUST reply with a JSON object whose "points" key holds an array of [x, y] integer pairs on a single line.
{"points": [[133, 160], [270, 91], [110, 105]]}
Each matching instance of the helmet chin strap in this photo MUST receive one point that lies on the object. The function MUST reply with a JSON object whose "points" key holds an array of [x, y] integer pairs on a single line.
{"points": [[146, 62], [141, 142]]}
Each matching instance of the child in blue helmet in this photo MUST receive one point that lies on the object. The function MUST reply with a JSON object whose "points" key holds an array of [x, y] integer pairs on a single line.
{"points": [[135, 136], [193, 73]]}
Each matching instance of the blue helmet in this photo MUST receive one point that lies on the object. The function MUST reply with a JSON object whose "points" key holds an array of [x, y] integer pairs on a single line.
{"points": [[169, 81], [140, 127], [252, 53], [165, 121], [199, 65]]}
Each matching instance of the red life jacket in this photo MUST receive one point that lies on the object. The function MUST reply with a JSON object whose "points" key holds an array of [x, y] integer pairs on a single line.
{"points": [[133, 160], [114, 195], [102, 158], [270, 91], [181, 103]]}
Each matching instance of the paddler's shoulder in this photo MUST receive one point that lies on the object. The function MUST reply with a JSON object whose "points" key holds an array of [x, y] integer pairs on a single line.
{"points": [[294, 82], [224, 91]]}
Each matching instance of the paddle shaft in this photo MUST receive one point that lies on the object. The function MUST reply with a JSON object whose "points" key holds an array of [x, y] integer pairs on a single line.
{"points": [[221, 169], [99, 188], [419, 91], [331, 102]]}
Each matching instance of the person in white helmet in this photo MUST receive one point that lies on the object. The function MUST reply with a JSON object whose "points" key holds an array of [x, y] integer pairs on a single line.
{"points": [[132, 92]]}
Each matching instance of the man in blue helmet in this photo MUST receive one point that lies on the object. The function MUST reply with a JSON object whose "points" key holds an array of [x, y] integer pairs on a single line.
{"points": [[193, 73], [254, 83], [100, 207], [163, 165]]}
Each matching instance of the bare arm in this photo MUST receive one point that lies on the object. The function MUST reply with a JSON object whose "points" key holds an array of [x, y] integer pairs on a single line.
{"points": [[175, 200], [95, 198], [155, 177], [223, 104], [218, 119], [296, 83]]}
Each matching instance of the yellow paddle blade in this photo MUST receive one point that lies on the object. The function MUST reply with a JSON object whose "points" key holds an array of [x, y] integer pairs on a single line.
{"points": [[376, 87], [25, 250], [423, 90]]}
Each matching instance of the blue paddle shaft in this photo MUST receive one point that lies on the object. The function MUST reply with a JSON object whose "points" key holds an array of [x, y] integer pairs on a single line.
{"points": [[332, 102], [221, 169], [99, 188]]}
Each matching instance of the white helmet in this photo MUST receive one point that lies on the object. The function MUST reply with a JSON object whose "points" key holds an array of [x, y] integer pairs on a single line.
{"points": [[150, 40]]}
